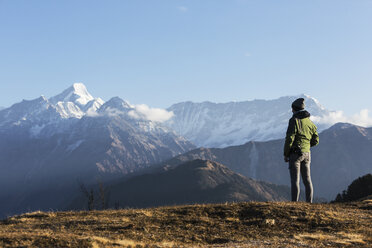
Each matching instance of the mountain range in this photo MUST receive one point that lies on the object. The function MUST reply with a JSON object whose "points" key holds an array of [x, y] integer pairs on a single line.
{"points": [[74, 122], [48, 147], [214, 125]]}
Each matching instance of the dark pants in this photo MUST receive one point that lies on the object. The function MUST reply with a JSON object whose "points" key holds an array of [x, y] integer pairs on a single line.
{"points": [[297, 164]]}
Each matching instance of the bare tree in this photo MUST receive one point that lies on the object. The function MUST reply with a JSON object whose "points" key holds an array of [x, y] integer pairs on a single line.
{"points": [[88, 194], [103, 195]]}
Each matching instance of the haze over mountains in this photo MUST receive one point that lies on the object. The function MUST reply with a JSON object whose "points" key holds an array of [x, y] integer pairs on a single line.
{"points": [[49, 146]]}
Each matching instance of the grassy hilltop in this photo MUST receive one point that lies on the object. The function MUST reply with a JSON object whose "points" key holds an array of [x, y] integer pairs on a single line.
{"points": [[255, 224]]}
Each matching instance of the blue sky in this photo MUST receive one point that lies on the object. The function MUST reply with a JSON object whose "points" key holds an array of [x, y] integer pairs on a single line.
{"points": [[162, 52]]}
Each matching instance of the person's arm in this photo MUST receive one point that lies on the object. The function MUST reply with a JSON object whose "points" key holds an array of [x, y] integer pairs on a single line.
{"points": [[290, 137], [315, 138]]}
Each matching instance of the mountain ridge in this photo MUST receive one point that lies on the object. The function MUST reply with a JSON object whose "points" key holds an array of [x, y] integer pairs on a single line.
{"points": [[209, 124]]}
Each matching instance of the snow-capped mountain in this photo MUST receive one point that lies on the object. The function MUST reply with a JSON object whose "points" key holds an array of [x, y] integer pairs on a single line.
{"points": [[44, 117], [48, 145], [210, 124], [75, 102], [73, 113]]}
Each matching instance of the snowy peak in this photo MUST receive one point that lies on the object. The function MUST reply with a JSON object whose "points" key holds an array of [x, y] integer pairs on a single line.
{"points": [[75, 102], [77, 94], [116, 103], [93, 105]]}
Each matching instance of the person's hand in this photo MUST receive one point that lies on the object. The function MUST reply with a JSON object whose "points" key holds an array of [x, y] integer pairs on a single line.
{"points": [[286, 159]]}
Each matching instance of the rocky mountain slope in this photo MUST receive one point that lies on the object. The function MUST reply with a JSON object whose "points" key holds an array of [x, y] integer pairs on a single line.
{"points": [[214, 125], [342, 155]]}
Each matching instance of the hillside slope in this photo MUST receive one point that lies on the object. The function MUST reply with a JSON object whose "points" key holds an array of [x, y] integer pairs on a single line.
{"points": [[196, 181], [256, 224], [344, 153]]}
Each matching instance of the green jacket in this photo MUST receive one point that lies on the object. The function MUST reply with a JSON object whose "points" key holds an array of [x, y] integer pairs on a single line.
{"points": [[301, 133]]}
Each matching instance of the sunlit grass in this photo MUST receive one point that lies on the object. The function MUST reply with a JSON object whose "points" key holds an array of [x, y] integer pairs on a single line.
{"points": [[256, 224]]}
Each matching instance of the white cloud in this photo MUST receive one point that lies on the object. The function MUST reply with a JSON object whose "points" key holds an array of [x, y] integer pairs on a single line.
{"points": [[153, 114], [182, 8], [247, 54], [112, 112], [361, 119], [140, 111], [92, 113]]}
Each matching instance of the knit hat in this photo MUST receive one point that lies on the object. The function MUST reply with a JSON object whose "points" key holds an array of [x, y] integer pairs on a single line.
{"points": [[298, 104]]}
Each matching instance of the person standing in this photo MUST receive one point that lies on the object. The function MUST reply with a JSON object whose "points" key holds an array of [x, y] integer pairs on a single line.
{"points": [[301, 135]]}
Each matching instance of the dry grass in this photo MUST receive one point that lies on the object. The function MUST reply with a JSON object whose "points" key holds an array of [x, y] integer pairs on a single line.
{"points": [[221, 225], [336, 238]]}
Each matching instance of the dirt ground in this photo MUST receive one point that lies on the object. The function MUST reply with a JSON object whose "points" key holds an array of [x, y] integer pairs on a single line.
{"points": [[253, 224]]}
